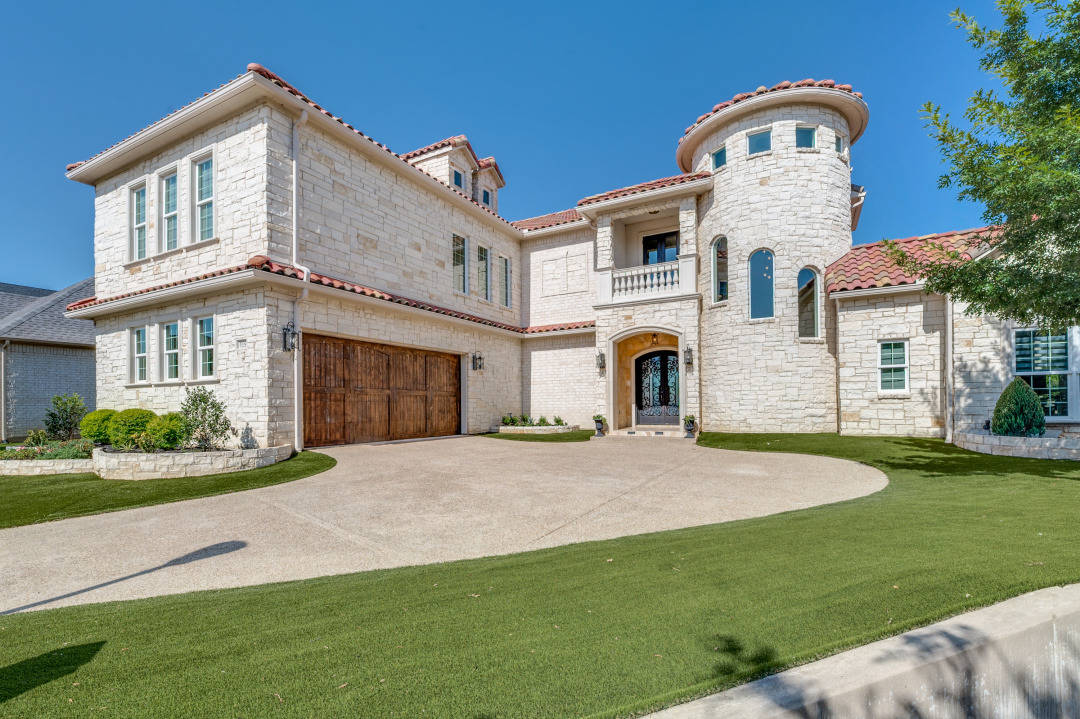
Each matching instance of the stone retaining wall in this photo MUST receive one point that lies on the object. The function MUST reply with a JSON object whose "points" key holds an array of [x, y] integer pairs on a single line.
{"points": [[1033, 447], [35, 467], [137, 465], [552, 429]]}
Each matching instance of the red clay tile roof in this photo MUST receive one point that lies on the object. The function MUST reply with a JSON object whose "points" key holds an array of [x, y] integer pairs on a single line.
{"points": [[644, 187], [869, 266], [264, 263], [455, 141], [785, 85], [486, 163], [549, 220]]}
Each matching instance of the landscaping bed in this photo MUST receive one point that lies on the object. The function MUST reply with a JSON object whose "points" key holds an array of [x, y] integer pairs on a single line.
{"points": [[574, 435]]}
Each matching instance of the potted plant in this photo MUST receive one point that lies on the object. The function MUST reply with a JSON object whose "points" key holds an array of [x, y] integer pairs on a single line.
{"points": [[689, 421], [598, 420]]}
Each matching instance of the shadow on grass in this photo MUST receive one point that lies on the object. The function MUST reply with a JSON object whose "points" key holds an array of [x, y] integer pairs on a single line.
{"points": [[21, 677]]}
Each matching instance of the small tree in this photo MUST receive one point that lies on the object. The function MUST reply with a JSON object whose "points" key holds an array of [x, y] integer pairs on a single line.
{"points": [[1018, 412], [63, 419], [204, 417]]}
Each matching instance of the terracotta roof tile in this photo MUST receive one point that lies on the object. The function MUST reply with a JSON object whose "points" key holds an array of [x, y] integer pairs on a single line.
{"points": [[644, 187], [549, 220], [456, 140], [264, 263], [869, 266], [780, 86]]}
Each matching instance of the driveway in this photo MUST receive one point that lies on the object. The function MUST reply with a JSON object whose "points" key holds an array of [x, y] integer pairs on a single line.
{"points": [[411, 503]]}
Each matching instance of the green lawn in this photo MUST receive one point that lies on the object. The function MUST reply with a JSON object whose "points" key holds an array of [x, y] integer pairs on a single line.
{"points": [[27, 500], [581, 435], [598, 629]]}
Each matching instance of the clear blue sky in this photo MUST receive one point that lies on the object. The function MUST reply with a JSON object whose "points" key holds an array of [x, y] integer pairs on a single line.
{"points": [[572, 98]]}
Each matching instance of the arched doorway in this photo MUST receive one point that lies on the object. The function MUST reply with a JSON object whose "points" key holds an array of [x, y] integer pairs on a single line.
{"points": [[656, 387]]}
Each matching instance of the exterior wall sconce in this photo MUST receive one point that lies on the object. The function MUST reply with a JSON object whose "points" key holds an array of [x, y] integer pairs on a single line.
{"points": [[655, 339], [600, 362], [688, 357], [289, 335], [477, 361]]}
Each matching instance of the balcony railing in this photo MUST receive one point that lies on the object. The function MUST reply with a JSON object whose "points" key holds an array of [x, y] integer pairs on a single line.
{"points": [[633, 284]]}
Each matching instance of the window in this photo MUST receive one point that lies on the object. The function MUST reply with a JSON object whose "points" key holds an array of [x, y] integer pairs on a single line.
{"points": [[1042, 360], [486, 197], [138, 354], [893, 366], [204, 348], [170, 218], [660, 248], [808, 303], [761, 284], [507, 287], [204, 199], [459, 181], [719, 269], [483, 272], [138, 223], [805, 137], [460, 261], [170, 348], [839, 143], [758, 142], [719, 158]]}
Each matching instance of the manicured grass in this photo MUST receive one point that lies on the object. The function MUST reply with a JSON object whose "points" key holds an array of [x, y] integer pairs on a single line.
{"points": [[28, 500], [581, 435], [597, 629]]}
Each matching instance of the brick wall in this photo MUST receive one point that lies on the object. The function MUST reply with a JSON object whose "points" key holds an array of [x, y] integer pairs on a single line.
{"points": [[34, 373]]}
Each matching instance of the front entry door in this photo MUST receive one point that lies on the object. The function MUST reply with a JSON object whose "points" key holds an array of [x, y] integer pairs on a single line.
{"points": [[656, 388]]}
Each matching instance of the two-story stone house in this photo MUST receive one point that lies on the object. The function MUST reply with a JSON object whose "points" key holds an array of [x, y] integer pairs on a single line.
{"points": [[331, 290]]}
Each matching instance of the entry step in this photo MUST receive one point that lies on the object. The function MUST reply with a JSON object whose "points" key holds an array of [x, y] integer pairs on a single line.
{"points": [[673, 433]]}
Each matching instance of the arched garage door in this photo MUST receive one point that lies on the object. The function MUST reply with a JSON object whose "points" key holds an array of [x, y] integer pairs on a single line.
{"points": [[367, 392]]}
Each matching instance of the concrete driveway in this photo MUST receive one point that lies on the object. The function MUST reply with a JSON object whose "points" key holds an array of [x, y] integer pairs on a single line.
{"points": [[411, 503]]}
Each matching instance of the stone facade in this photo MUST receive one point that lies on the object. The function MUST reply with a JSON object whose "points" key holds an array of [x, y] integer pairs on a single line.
{"points": [[31, 373], [165, 465]]}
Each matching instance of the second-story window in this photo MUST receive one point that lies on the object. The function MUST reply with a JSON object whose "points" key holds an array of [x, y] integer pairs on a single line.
{"points": [[460, 262], [483, 272], [719, 158], [758, 142], [805, 137], [170, 217], [486, 196], [204, 199], [170, 347], [720, 280], [138, 223], [506, 284], [459, 180]]}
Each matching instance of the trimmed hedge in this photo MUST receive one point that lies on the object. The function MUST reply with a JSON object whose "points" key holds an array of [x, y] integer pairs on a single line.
{"points": [[125, 427], [1018, 412], [95, 426], [168, 431]]}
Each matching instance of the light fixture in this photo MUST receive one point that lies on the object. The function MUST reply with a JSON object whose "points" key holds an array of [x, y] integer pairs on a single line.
{"points": [[655, 339], [288, 337], [477, 361], [600, 360], [688, 357]]}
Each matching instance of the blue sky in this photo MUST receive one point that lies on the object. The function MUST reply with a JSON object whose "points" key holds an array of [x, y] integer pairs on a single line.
{"points": [[571, 98]]}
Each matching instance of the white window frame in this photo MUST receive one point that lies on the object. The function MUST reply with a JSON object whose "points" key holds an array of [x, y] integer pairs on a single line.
{"points": [[838, 139], [484, 291], [197, 348], [905, 366], [464, 289], [712, 157], [453, 171], [813, 129], [816, 304], [135, 355], [1072, 337], [750, 285], [715, 270], [165, 352], [197, 204], [133, 249], [163, 216], [753, 133], [507, 272]]}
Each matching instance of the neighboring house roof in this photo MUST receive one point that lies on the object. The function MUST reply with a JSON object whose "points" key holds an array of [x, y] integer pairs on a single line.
{"points": [[869, 266], [551, 219], [12, 297], [261, 262], [644, 187], [42, 319]]}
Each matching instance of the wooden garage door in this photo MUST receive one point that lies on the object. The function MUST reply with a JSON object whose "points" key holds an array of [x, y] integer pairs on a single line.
{"points": [[366, 392]]}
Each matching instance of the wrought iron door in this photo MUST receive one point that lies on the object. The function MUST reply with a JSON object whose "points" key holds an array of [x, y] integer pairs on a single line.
{"points": [[656, 388]]}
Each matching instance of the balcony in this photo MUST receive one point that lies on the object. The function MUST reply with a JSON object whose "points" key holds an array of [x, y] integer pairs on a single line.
{"points": [[647, 282]]}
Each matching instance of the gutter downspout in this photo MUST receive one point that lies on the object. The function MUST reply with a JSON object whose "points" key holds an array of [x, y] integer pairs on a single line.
{"points": [[948, 370], [298, 365], [3, 388]]}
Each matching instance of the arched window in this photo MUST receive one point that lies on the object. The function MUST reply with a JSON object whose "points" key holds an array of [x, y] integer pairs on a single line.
{"points": [[761, 284], [719, 269], [809, 326]]}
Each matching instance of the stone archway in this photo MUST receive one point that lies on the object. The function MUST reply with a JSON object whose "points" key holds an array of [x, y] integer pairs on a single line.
{"points": [[627, 351]]}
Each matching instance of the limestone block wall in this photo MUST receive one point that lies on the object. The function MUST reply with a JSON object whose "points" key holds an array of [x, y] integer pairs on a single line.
{"points": [[243, 339], [864, 322], [758, 374], [982, 366], [363, 222], [34, 373], [559, 377], [239, 151], [558, 278]]}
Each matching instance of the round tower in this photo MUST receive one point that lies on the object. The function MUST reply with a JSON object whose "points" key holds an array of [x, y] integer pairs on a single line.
{"points": [[779, 213]]}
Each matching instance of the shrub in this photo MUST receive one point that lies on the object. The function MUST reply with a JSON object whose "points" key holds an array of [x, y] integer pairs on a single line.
{"points": [[95, 426], [508, 420], [524, 420], [559, 421], [204, 418], [63, 419], [24, 453], [71, 449], [598, 418], [1018, 412], [543, 422], [36, 438], [125, 426], [168, 431]]}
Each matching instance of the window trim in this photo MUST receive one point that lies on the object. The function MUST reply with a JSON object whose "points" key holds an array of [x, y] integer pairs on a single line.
{"points": [[163, 216], [816, 304], [813, 136], [1072, 345], [838, 142], [166, 352], [464, 289], [134, 227], [904, 341], [454, 175], [484, 290], [754, 133], [507, 278], [135, 355], [714, 153], [715, 273], [485, 197], [196, 203], [750, 286], [197, 348]]}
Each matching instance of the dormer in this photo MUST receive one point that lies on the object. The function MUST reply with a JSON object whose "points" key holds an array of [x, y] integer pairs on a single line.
{"points": [[489, 179], [454, 162]]}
